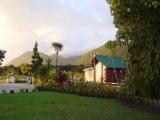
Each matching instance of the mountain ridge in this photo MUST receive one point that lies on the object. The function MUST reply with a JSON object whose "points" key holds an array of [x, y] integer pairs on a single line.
{"points": [[72, 60], [26, 57], [102, 50]]}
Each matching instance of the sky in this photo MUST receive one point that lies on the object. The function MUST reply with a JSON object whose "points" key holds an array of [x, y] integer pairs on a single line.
{"points": [[81, 25]]}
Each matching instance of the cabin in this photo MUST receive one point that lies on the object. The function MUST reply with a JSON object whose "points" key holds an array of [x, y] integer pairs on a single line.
{"points": [[106, 69]]}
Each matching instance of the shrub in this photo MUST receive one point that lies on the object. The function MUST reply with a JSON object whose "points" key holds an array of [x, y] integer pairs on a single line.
{"points": [[84, 88]]}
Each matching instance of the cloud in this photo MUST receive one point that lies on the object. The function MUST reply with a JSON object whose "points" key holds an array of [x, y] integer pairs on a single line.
{"points": [[43, 31], [80, 25]]}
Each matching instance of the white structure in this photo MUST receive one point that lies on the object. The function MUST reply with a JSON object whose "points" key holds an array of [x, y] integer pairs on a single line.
{"points": [[11, 79], [98, 73], [29, 79], [12, 87], [16, 87]]}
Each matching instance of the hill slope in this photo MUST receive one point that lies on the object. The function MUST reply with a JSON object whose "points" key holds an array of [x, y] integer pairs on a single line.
{"points": [[64, 60], [75, 60], [86, 59], [27, 58]]}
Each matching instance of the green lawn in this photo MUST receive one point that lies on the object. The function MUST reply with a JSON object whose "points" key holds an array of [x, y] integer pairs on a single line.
{"points": [[59, 106]]}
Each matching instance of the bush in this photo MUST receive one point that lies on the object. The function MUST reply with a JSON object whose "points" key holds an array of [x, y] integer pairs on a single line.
{"points": [[84, 88]]}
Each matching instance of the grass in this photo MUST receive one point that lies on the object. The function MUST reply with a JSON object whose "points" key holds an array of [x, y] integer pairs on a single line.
{"points": [[59, 106]]}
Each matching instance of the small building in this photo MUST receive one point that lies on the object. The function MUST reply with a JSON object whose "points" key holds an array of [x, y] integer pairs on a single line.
{"points": [[106, 69]]}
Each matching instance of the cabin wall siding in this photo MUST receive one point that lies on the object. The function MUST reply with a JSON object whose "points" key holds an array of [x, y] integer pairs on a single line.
{"points": [[100, 72], [110, 75], [89, 75], [98, 68], [104, 74]]}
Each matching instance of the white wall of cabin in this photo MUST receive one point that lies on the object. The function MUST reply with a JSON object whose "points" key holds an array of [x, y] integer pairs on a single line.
{"points": [[89, 75], [100, 68]]}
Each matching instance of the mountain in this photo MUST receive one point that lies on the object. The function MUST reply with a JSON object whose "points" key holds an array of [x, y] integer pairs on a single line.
{"points": [[73, 60], [86, 59], [27, 58], [102, 50], [64, 60]]}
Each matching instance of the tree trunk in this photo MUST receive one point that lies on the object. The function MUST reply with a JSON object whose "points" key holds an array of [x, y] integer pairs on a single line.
{"points": [[115, 73], [94, 68], [56, 64]]}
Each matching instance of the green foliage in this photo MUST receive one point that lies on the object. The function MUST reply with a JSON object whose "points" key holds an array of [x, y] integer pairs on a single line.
{"points": [[138, 28], [8, 70], [43, 72], [36, 59], [103, 50], [116, 48], [1, 70], [87, 89], [57, 46], [25, 69], [45, 76], [79, 76], [75, 75], [36, 62], [87, 58], [2, 56], [51, 76], [75, 68], [49, 61], [112, 45]]}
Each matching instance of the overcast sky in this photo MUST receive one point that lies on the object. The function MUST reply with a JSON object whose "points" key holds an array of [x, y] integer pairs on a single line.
{"points": [[80, 25]]}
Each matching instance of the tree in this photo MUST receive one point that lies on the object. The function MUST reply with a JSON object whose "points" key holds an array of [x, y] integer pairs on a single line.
{"points": [[49, 61], [9, 70], [25, 69], [43, 73], [51, 76], [2, 56], [36, 59], [112, 45], [138, 28], [58, 47]]}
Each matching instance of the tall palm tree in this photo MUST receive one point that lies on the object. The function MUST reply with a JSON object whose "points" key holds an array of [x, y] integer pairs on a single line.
{"points": [[58, 47]]}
